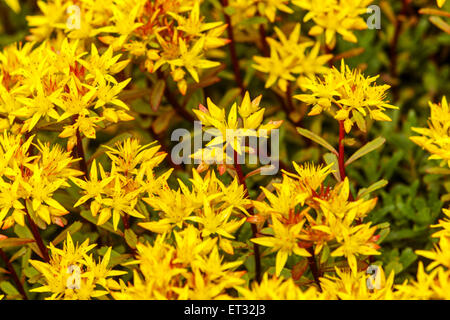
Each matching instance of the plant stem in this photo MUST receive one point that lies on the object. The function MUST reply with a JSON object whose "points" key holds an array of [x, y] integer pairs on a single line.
{"points": [[289, 97], [126, 221], [241, 179], [80, 154], [341, 150], [13, 274], [314, 268], [265, 45], [37, 237], [394, 44], [5, 19], [233, 54], [173, 101]]}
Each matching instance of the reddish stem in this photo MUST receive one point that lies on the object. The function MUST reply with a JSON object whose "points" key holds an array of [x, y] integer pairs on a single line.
{"points": [[314, 268], [80, 154], [13, 274], [233, 54], [265, 45], [173, 101], [341, 150], [241, 179], [37, 237]]}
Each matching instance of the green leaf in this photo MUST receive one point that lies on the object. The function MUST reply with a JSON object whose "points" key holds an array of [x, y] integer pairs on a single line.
{"points": [[19, 253], [325, 254], [375, 186], [107, 226], [131, 238], [8, 288], [14, 242], [319, 140], [331, 158], [24, 232], [73, 228], [437, 170], [157, 94], [369, 147], [229, 10], [384, 231]]}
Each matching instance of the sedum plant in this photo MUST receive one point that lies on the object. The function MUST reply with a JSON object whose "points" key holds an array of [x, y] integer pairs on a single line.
{"points": [[94, 204]]}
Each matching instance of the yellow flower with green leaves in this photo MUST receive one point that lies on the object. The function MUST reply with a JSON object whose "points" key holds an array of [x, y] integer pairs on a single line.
{"points": [[290, 61], [332, 17], [72, 274], [275, 288], [435, 139], [232, 130], [29, 183], [354, 96], [284, 241], [117, 193], [354, 286]]}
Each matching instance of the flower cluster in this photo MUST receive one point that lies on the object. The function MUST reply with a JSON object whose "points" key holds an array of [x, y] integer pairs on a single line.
{"points": [[231, 130], [333, 17], [289, 60], [157, 34], [28, 183], [72, 274], [354, 95], [307, 215], [58, 83], [116, 193], [436, 138]]}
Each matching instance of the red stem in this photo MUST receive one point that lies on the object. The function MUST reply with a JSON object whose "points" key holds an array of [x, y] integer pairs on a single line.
{"points": [[13, 274], [241, 178], [80, 154], [341, 150], [37, 237], [314, 268], [233, 54]]}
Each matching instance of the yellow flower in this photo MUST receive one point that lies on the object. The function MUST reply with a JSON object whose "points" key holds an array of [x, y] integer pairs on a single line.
{"points": [[192, 59], [440, 255], [277, 289], [339, 216], [440, 3], [289, 60], [72, 274], [335, 16], [232, 131], [284, 202], [353, 94], [354, 286], [174, 209], [435, 139], [310, 177], [13, 4], [284, 242], [269, 8], [422, 288], [218, 222]]}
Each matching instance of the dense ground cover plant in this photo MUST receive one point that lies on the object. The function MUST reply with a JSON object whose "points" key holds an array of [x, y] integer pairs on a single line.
{"points": [[96, 204]]}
